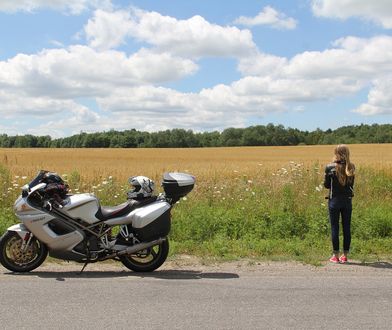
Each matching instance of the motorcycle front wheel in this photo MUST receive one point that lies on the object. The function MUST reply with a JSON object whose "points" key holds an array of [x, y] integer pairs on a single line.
{"points": [[16, 259], [147, 260]]}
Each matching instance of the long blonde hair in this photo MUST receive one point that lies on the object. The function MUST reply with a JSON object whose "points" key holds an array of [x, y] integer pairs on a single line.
{"points": [[345, 170]]}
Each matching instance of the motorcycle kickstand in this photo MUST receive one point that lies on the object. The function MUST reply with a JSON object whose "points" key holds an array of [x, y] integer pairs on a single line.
{"points": [[84, 266]]}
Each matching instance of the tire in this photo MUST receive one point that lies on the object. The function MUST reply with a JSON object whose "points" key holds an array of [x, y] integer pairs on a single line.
{"points": [[147, 260], [14, 260]]}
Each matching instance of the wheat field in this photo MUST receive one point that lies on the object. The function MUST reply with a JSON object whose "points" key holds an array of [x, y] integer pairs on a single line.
{"points": [[204, 163], [248, 201]]}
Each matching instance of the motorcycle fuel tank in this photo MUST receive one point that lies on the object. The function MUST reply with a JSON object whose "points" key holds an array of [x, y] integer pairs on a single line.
{"points": [[82, 206]]}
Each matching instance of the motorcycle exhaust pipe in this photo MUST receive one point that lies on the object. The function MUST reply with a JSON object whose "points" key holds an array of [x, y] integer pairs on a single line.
{"points": [[135, 248], [140, 246]]}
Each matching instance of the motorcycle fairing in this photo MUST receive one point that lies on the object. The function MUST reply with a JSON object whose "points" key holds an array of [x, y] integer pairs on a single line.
{"points": [[19, 228]]}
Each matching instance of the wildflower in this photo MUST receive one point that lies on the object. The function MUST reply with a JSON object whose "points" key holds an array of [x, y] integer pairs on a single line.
{"points": [[16, 176], [110, 177], [15, 185], [253, 193], [250, 181], [184, 198], [105, 182], [94, 187], [24, 177]]}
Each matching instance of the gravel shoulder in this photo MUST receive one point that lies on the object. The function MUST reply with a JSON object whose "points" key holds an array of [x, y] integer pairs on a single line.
{"points": [[245, 267]]}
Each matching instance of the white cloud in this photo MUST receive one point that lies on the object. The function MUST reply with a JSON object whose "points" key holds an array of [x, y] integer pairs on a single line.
{"points": [[269, 16], [261, 64], [353, 59], [71, 6], [378, 11], [126, 88], [80, 71], [128, 92], [379, 98], [16, 104], [74, 120], [156, 108], [106, 30], [194, 37]]}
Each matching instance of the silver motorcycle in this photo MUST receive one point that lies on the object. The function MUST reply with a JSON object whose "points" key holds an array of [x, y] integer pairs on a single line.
{"points": [[77, 228]]}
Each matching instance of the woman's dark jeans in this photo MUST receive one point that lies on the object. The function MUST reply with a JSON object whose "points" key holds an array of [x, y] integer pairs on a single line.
{"points": [[340, 206]]}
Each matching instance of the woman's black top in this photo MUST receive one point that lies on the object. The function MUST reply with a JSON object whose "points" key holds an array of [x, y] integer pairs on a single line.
{"points": [[332, 183]]}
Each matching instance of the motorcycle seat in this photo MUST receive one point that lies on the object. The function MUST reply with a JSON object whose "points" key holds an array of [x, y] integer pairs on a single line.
{"points": [[109, 212]]}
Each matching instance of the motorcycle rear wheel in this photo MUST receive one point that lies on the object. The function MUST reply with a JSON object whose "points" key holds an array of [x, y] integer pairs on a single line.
{"points": [[16, 260], [147, 260]]}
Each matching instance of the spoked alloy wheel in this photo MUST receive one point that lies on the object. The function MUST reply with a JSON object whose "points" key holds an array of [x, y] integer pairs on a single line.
{"points": [[147, 260], [15, 259]]}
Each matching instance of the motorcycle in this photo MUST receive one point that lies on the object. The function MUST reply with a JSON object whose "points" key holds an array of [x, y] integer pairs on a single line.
{"points": [[76, 227]]}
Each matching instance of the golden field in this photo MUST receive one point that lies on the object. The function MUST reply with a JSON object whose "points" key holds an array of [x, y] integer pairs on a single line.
{"points": [[251, 201], [202, 162]]}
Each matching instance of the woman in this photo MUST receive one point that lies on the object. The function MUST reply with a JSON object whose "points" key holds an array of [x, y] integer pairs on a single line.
{"points": [[339, 179]]}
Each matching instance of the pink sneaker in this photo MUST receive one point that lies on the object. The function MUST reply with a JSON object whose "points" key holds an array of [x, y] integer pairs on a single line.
{"points": [[343, 259], [334, 259]]}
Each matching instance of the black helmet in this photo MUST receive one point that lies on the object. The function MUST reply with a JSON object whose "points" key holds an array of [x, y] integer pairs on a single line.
{"points": [[51, 177], [56, 187]]}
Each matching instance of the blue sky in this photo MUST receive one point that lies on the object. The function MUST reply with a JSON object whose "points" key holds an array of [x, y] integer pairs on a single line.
{"points": [[89, 65]]}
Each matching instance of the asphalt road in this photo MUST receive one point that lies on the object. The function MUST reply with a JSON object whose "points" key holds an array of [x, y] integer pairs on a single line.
{"points": [[195, 296]]}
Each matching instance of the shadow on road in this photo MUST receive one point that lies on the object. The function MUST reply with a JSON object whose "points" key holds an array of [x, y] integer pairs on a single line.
{"points": [[377, 264], [163, 274]]}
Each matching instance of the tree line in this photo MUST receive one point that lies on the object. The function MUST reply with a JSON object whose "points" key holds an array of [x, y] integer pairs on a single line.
{"points": [[269, 135]]}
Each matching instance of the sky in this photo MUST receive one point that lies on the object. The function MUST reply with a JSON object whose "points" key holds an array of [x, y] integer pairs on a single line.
{"points": [[68, 66]]}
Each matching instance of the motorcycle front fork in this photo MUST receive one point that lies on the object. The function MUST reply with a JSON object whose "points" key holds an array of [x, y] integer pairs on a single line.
{"points": [[26, 242]]}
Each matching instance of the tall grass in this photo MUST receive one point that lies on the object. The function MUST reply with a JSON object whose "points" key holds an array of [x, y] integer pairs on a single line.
{"points": [[244, 208]]}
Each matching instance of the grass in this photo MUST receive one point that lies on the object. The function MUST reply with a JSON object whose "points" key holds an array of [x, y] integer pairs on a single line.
{"points": [[261, 203]]}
